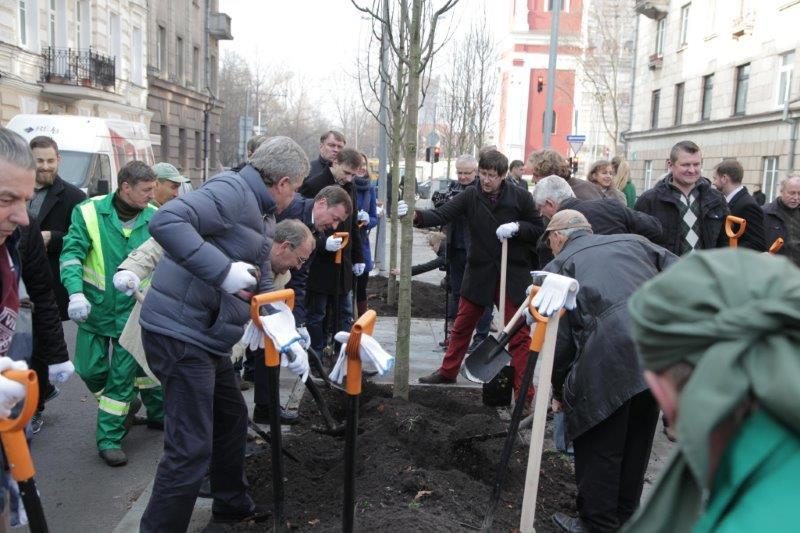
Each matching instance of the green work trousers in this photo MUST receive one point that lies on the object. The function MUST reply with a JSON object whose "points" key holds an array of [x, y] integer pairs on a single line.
{"points": [[113, 376]]}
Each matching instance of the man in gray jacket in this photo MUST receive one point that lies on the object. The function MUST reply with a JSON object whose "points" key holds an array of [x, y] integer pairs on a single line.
{"points": [[216, 242]]}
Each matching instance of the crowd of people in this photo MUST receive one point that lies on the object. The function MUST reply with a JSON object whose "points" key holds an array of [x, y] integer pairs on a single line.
{"points": [[159, 286]]}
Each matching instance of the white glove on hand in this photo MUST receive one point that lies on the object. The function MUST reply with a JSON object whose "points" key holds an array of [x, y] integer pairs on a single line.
{"points": [[402, 208], [126, 282], [253, 337], [508, 230], [333, 244], [299, 363], [60, 372], [305, 338], [239, 278], [358, 268], [11, 392], [557, 291], [363, 216], [79, 307]]}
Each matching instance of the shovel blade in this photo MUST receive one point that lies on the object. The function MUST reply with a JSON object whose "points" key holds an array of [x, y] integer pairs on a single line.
{"points": [[485, 361]]}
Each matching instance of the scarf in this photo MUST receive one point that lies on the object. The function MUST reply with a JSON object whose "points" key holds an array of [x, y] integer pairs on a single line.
{"points": [[735, 315]]}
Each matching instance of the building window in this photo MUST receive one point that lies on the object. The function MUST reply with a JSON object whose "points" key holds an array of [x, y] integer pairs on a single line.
{"points": [[23, 22], [212, 160], [182, 148], [655, 102], [785, 77], [213, 73], [648, 174], [770, 177], [661, 25], [161, 50], [679, 89], [196, 67], [137, 52], [198, 149], [684, 31], [116, 41], [179, 59], [51, 22], [708, 88], [83, 26], [742, 81], [164, 143]]}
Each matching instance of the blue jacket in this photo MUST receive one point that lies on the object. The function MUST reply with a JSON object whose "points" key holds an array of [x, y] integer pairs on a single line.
{"points": [[366, 200], [230, 218]]}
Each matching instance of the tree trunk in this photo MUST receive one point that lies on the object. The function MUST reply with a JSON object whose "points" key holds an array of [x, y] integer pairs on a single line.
{"points": [[407, 237]]}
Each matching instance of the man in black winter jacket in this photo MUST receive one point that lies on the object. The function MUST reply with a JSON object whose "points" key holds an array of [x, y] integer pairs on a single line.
{"points": [[692, 213]]}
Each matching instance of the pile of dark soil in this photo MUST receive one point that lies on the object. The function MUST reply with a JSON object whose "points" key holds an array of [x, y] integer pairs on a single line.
{"points": [[427, 299], [417, 468]]}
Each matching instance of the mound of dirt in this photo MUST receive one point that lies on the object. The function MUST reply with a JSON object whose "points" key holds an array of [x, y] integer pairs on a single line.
{"points": [[419, 467], [427, 299]]}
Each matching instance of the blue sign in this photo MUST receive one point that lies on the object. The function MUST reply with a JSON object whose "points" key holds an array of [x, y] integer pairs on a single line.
{"points": [[576, 138]]}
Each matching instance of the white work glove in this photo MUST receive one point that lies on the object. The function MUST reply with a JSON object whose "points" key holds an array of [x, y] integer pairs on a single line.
{"points": [[11, 392], [126, 282], [79, 307], [557, 291], [358, 268], [508, 230], [402, 208], [239, 278], [305, 338], [253, 337], [60, 372], [333, 243], [299, 365], [363, 216], [371, 353]]}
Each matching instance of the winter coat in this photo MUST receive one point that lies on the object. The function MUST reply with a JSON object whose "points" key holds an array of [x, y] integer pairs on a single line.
{"points": [[49, 346], [776, 226], [84, 271], [613, 194], [609, 217], [743, 205], [323, 270], [629, 190], [318, 165], [55, 216], [438, 262], [230, 218], [662, 203], [584, 190], [596, 366], [366, 200], [482, 274]]}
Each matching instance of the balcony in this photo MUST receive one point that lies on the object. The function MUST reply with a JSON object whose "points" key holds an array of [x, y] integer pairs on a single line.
{"points": [[219, 26], [85, 68], [653, 9], [655, 62], [741, 26]]}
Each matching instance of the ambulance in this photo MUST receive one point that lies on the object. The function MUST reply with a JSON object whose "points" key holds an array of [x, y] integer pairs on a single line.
{"points": [[92, 149]]}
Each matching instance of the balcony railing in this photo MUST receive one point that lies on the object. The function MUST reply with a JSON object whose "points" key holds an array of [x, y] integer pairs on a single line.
{"points": [[85, 68], [655, 62]]}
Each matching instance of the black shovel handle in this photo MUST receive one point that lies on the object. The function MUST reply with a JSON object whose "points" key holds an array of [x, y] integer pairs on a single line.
{"points": [[33, 506]]}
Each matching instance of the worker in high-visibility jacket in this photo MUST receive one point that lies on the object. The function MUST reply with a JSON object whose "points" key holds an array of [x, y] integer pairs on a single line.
{"points": [[104, 230]]}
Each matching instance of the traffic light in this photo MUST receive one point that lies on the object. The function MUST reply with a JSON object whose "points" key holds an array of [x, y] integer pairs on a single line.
{"points": [[573, 164], [436, 153], [428, 154]]}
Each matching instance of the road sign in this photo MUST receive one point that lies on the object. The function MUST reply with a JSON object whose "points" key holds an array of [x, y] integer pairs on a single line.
{"points": [[433, 138], [575, 142]]}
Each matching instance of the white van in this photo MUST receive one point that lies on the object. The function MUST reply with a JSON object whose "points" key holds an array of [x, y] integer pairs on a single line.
{"points": [[92, 149]]}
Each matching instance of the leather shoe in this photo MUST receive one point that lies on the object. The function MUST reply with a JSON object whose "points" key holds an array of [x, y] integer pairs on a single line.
{"points": [[259, 513], [570, 524], [114, 457], [261, 416], [436, 378]]}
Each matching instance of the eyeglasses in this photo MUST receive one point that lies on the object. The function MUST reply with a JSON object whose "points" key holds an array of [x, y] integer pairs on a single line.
{"points": [[300, 260]]}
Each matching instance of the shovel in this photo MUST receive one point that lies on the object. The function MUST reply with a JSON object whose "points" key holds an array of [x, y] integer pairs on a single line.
{"points": [[272, 360], [490, 356], [345, 236], [18, 455], [733, 236], [776, 246], [537, 339]]}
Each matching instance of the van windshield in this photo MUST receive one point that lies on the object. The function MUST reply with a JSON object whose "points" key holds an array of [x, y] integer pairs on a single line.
{"points": [[74, 167]]}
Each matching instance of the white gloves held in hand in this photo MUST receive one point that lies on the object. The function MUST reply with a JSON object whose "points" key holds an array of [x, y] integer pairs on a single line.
{"points": [[239, 278], [557, 291], [11, 392], [126, 282], [79, 307], [358, 268], [402, 208], [508, 230], [60, 372], [333, 243], [363, 216]]}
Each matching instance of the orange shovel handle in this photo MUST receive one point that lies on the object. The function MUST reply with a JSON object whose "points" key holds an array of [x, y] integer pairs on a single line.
{"points": [[364, 324], [271, 355], [345, 236], [537, 338], [12, 430], [733, 236], [776, 246]]}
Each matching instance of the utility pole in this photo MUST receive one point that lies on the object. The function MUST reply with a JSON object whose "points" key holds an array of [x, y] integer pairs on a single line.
{"points": [[380, 235], [551, 73]]}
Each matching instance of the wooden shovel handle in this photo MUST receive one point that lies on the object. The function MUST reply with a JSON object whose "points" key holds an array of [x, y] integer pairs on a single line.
{"points": [[503, 274], [345, 236], [776, 246]]}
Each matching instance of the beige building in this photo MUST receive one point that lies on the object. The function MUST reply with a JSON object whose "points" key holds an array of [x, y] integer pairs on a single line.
{"points": [[720, 73], [80, 57], [182, 67]]}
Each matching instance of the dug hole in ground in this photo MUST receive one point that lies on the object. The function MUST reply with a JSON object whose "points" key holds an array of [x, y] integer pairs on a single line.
{"points": [[426, 464]]}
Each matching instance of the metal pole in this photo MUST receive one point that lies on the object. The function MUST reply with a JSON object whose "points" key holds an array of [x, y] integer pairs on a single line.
{"points": [[551, 74], [380, 233]]}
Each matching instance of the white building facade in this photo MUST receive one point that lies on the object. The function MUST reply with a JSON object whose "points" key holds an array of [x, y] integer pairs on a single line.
{"points": [[719, 73]]}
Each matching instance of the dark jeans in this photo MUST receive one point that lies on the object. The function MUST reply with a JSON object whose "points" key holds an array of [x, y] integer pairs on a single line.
{"points": [[205, 424], [316, 314], [610, 463]]}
